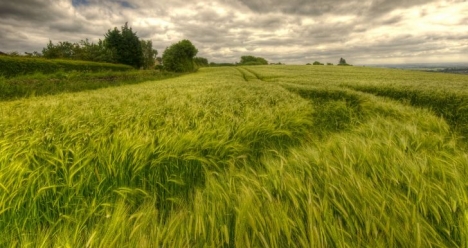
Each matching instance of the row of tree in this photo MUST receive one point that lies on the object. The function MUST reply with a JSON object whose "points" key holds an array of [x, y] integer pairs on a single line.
{"points": [[123, 46], [319, 63], [119, 46], [341, 62]]}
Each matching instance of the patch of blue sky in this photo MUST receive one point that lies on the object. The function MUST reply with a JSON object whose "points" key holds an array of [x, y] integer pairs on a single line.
{"points": [[123, 4], [77, 3]]}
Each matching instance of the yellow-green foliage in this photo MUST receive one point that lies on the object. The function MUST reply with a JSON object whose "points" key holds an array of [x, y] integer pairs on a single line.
{"points": [[14, 66], [231, 157]]}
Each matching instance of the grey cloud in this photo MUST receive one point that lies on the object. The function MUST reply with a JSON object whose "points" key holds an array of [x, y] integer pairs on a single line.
{"points": [[13, 39], [379, 7], [33, 10], [326, 33], [391, 21], [206, 34], [274, 41], [258, 32], [303, 7], [368, 9], [149, 32], [67, 26], [39, 21], [12, 34]]}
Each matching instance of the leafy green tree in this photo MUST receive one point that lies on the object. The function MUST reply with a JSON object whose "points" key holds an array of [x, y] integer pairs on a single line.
{"points": [[179, 57], [262, 61], [124, 46], [92, 52], [119, 46], [84, 50], [149, 54], [132, 53], [201, 62], [100, 52], [50, 51], [113, 42], [317, 63], [342, 62], [248, 59], [63, 50], [251, 60]]}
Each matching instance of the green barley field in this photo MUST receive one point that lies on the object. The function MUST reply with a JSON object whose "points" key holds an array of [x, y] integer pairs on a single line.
{"points": [[262, 156]]}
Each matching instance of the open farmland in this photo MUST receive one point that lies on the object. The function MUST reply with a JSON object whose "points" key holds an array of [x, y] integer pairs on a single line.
{"points": [[264, 156]]}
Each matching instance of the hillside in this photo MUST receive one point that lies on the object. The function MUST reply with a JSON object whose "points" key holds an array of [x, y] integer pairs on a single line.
{"points": [[261, 156]]}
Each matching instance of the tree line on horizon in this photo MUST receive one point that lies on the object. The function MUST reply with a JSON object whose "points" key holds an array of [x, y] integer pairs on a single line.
{"points": [[118, 46], [125, 47], [341, 62]]}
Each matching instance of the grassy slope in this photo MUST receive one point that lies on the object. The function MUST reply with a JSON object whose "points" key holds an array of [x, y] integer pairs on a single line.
{"points": [[256, 156]]}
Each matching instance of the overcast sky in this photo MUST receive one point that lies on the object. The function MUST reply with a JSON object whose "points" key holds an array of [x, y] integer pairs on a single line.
{"points": [[288, 31]]}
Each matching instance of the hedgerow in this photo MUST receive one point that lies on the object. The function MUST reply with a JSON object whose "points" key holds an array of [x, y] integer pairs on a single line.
{"points": [[14, 66]]}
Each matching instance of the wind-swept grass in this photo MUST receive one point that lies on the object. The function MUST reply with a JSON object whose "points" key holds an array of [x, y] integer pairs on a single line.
{"points": [[229, 157], [444, 94], [451, 104]]}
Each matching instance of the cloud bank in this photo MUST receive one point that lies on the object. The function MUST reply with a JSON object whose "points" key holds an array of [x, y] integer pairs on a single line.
{"points": [[292, 32]]}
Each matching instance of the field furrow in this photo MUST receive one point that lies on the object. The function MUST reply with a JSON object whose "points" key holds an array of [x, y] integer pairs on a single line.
{"points": [[260, 156]]}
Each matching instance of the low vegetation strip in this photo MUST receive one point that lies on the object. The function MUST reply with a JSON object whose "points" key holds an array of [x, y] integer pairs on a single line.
{"points": [[212, 160], [451, 105], [444, 94], [15, 66], [336, 109], [39, 84]]}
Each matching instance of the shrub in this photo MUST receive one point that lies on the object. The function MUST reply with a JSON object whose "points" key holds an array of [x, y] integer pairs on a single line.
{"points": [[179, 57], [251, 60]]}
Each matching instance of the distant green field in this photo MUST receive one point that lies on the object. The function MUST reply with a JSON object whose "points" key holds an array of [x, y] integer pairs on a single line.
{"points": [[263, 156]]}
